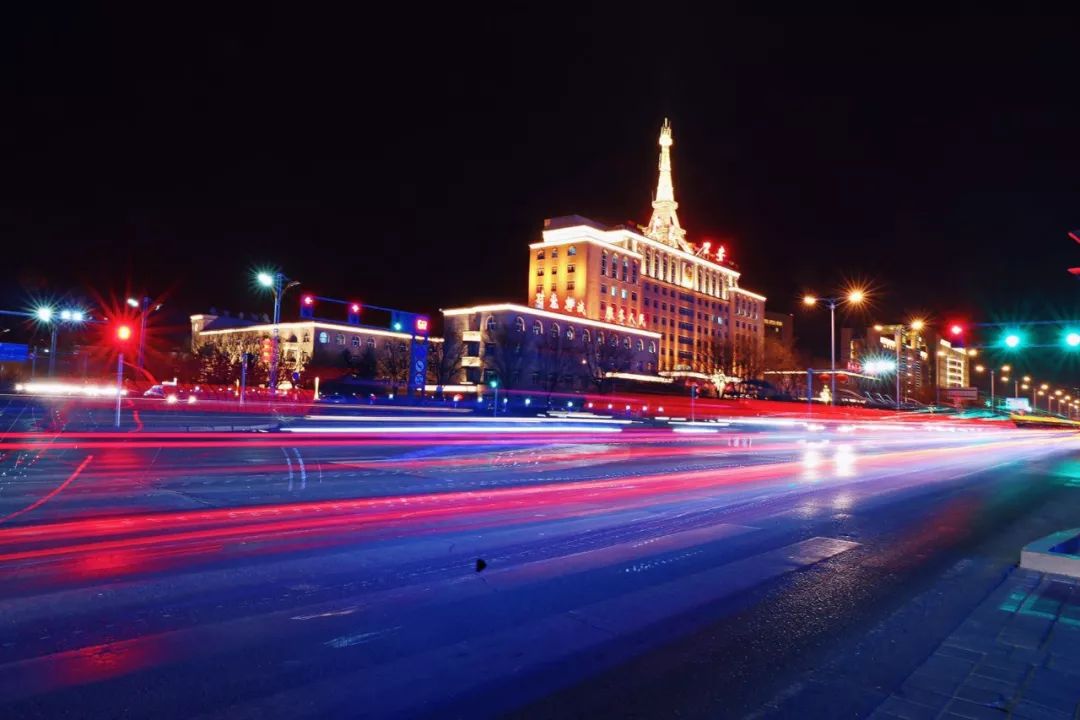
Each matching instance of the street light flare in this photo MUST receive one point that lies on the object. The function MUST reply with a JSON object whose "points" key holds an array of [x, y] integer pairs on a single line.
{"points": [[809, 300], [265, 279], [856, 296], [918, 324]]}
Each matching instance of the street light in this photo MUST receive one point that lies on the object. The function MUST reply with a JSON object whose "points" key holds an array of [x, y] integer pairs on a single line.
{"points": [[143, 306], [50, 317], [855, 296], [279, 285]]}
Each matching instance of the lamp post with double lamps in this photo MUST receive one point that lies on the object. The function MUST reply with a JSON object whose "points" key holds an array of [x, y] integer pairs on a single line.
{"points": [[54, 319], [854, 296]]}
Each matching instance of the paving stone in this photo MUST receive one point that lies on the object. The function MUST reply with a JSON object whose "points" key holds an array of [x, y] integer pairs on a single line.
{"points": [[974, 693], [935, 682], [1025, 632], [975, 711], [963, 653], [907, 709], [1032, 711], [947, 667], [1065, 664], [1003, 669], [1004, 688], [1029, 656]]}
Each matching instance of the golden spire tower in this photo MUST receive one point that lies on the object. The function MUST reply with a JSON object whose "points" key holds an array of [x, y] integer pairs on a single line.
{"points": [[664, 224]]}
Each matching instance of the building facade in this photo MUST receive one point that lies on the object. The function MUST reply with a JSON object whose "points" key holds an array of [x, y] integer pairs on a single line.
{"points": [[781, 327], [529, 348], [651, 278]]}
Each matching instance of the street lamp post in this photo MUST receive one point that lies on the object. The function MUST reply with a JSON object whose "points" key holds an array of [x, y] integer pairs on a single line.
{"points": [[53, 319], [143, 306], [279, 284], [854, 297]]}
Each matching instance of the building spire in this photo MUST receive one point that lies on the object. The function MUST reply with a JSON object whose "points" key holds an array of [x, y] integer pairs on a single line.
{"points": [[664, 224]]}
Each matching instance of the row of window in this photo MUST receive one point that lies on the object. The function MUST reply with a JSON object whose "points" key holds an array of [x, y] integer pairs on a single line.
{"points": [[570, 285], [339, 339], [572, 250], [555, 270], [586, 337], [629, 269], [679, 272]]}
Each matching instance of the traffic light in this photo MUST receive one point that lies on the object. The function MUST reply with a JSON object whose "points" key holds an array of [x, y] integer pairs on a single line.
{"points": [[307, 307], [267, 350], [956, 330], [354, 313], [1012, 340], [123, 333], [1072, 338], [421, 325]]}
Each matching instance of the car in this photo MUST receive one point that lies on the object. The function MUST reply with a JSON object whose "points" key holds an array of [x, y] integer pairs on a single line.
{"points": [[337, 399]]}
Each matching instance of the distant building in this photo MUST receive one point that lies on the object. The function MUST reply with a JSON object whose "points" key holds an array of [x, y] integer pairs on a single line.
{"points": [[780, 326]]}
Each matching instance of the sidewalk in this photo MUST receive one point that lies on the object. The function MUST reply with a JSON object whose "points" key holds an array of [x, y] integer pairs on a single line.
{"points": [[1016, 656]]}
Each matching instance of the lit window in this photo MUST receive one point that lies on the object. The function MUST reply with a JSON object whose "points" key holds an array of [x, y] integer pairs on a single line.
{"points": [[569, 285], [371, 343], [324, 338], [539, 272], [540, 255], [585, 338], [569, 268], [625, 269], [571, 250], [600, 337], [570, 333], [624, 293], [555, 270], [554, 252], [640, 345], [652, 346], [356, 341], [340, 339], [519, 324], [538, 327], [554, 330], [626, 343], [491, 323]]}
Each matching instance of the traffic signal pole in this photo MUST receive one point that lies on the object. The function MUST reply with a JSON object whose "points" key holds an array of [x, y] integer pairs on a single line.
{"points": [[119, 385]]}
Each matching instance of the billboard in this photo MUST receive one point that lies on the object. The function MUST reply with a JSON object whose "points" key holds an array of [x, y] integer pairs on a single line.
{"points": [[1018, 404]]}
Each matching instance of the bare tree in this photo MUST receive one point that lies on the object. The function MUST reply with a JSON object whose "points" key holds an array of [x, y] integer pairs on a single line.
{"points": [[555, 359], [444, 362], [602, 356], [393, 364], [510, 354]]}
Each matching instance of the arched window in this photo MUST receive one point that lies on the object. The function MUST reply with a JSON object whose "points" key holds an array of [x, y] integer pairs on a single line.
{"points": [[625, 269], [356, 341], [324, 337], [614, 266], [554, 330], [539, 254], [538, 327], [640, 345], [571, 250], [585, 338], [614, 340], [570, 332], [371, 344], [603, 263], [307, 337], [652, 346], [634, 268], [339, 339], [519, 324], [491, 323], [600, 337], [626, 342]]}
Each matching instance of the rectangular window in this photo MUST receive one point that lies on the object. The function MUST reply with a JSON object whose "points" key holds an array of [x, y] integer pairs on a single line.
{"points": [[569, 268], [633, 296], [603, 289], [555, 270], [623, 293], [569, 285], [539, 288], [539, 272]]}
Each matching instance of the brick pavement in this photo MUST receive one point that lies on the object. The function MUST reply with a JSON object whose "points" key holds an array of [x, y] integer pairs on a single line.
{"points": [[1016, 656]]}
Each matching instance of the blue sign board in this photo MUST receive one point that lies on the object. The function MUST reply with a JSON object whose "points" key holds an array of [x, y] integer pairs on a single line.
{"points": [[14, 352]]}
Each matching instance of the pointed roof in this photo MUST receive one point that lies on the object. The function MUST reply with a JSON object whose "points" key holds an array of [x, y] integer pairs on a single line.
{"points": [[664, 224]]}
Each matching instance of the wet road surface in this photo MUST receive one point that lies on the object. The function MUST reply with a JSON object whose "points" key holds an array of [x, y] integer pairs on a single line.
{"points": [[557, 574]]}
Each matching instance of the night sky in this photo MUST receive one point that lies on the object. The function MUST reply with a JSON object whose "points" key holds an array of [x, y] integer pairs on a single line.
{"points": [[405, 157]]}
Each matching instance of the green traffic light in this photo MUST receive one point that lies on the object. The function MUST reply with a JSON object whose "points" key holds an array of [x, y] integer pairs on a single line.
{"points": [[1072, 339], [397, 326], [494, 383], [1012, 340]]}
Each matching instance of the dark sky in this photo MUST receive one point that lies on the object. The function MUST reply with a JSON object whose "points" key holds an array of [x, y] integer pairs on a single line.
{"points": [[405, 156]]}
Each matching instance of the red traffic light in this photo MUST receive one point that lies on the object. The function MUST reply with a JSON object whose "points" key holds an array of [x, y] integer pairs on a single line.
{"points": [[355, 307], [421, 324], [309, 300], [123, 333], [956, 329]]}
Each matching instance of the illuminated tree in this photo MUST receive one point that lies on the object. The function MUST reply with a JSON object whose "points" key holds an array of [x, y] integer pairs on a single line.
{"points": [[393, 365]]}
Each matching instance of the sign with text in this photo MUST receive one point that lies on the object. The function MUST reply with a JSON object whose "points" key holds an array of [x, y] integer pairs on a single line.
{"points": [[14, 352]]}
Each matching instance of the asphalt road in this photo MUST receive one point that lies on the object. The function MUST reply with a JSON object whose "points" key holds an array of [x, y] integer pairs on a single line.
{"points": [[559, 572]]}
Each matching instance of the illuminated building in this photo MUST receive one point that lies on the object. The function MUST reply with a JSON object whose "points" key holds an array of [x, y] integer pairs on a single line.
{"points": [[781, 327], [952, 365], [651, 278], [309, 342]]}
